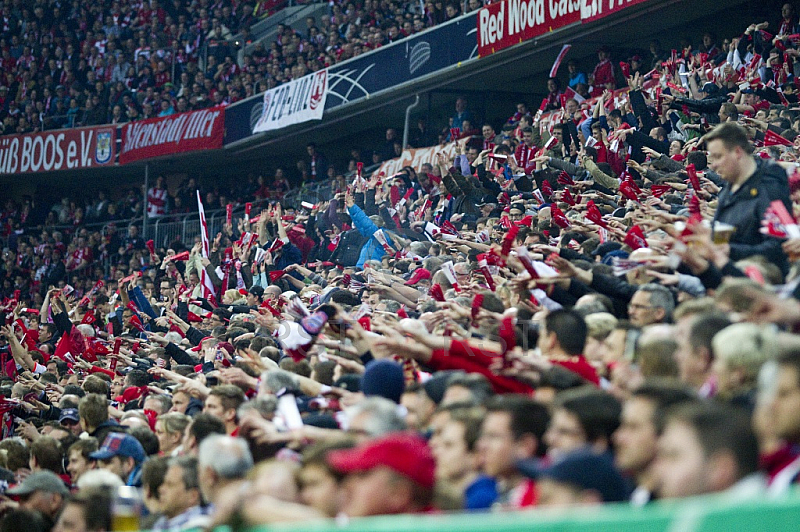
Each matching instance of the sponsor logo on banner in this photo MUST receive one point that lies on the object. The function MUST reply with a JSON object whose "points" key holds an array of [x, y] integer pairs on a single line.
{"points": [[389, 67], [103, 150], [65, 149], [295, 102], [511, 22], [196, 130], [419, 55]]}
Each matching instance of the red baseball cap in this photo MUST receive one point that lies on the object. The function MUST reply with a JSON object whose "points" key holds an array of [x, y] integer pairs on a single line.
{"points": [[199, 346], [227, 346], [526, 221], [418, 275], [132, 393], [404, 453]]}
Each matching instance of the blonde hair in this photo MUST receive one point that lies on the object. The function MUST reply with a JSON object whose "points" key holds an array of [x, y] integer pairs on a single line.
{"points": [[701, 305], [232, 294], [737, 294], [745, 346], [600, 324], [174, 422]]}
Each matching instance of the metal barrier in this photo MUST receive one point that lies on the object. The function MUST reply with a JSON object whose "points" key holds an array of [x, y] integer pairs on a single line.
{"points": [[164, 232], [58, 122], [121, 225], [186, 227], [167, 229]]}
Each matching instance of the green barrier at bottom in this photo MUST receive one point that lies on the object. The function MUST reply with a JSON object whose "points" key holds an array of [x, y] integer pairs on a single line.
{"points": [[706, 514]]}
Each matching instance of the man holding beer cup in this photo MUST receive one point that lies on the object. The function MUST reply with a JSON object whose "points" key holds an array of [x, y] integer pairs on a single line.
{"points": [[751, 185]]}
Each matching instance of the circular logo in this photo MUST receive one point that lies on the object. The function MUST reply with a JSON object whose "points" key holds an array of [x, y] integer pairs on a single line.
{"points": [[255, 114], [318, 90]]}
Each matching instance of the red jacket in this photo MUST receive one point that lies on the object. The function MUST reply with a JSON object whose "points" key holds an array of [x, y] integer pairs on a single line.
{"points": [[603, 73], [474, 360]]}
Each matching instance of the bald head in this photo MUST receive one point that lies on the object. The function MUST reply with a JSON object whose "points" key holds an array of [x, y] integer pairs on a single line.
{"points": [[272, 292]]}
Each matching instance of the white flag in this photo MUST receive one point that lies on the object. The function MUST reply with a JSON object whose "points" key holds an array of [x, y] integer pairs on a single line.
{"points": [[205, 281]]}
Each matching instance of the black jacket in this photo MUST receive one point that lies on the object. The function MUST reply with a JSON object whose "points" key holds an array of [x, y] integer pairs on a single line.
{"points": [[348, 249], [56, 272], [744, 209], [466, 191], [707, 106]]}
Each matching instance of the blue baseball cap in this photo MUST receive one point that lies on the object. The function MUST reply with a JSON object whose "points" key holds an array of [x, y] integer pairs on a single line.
{"points": [[69, 414], [583, 469], [120, 444], [608, 258]]}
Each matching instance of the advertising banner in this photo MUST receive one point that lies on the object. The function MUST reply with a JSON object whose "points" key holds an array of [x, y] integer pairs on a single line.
{"points": [[361, 77], [298, 101], [592, 10], [511, 22], [168, 135], [417, 56], [64, 149]]}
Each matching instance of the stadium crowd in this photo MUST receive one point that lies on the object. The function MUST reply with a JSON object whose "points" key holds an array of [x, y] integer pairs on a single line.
{"points": [[111, 62], [596, 305]]}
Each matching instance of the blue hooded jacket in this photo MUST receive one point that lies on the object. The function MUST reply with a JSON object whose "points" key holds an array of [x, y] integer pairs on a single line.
{"points": [[372, 249]]}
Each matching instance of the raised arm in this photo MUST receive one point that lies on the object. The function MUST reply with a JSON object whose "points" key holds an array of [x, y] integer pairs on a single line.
{"points": [[20, 354]]}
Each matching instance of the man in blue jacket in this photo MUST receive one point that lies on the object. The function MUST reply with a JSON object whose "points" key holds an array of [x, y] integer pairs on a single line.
{"points": [[372, 249]]}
